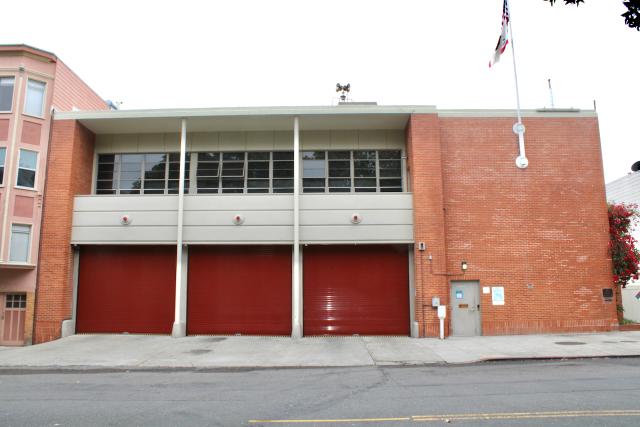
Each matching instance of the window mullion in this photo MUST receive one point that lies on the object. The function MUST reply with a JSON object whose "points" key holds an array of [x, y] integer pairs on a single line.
{"points": [[246, 173], [353, 171], [377, 172]]}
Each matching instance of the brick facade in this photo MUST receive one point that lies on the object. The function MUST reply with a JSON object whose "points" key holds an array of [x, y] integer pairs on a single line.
{"points": [[69, 173], [540, 232]]}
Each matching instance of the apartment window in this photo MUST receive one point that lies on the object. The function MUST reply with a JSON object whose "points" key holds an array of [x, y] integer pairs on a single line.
{"points": [[364, 171], [232, 172], [16, 301], [130, 179], [3, 155], [6, 93], [390, 166], [258, 172], [208, 173], [283, 172], [339, 171], [27, 169], [152, 173], [34, 102], [20, 239], [106, 182], [173, 183], [314, 171]]}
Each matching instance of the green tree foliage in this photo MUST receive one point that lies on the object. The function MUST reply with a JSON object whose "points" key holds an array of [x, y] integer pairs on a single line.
{"points": [[631, 16]]}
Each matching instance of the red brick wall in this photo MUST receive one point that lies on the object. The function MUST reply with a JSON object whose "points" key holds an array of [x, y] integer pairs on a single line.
{"points": [[425, 168], [541, 232], [69, 173]]}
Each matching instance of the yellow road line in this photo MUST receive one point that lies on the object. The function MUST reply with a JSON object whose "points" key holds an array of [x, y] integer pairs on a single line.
{"points": [[467, 417], [340, 420], [524, 415]]}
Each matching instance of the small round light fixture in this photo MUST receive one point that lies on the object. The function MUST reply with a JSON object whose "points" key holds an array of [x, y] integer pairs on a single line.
{"points": [[463, 266], [522, 162], [238, 219], [125, 220], [518, 128], [356, 218]]}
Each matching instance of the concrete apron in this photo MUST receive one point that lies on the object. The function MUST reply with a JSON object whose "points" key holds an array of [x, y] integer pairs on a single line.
{"points": [[155, 351]]}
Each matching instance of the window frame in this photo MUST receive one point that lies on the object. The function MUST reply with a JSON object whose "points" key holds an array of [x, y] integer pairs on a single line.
{"points": [[3, 165], [29, 242], [13, 92], [26, 97], [35, 171]]}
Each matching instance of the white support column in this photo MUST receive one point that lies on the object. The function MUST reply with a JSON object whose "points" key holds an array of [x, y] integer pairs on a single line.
{"points": [[180, 321], [296, 292], [413, 325], [69, 326]]}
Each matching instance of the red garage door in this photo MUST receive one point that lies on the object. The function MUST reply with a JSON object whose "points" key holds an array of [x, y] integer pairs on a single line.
{"points": [[356, 290], [239, 290], [126, 289]]}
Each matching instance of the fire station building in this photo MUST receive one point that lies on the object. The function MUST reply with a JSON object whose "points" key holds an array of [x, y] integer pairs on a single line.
{"points": [[337, 220]]}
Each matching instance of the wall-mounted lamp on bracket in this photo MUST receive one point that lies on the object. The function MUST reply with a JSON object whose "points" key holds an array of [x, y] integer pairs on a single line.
{"points": [[464, 266]]}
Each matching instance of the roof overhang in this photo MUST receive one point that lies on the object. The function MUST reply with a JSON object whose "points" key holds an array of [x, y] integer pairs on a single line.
{"points": [[246, 118], [341, 117]]}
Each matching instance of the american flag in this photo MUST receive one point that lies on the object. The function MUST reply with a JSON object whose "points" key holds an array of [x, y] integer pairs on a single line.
{"points": [[504, 35]]}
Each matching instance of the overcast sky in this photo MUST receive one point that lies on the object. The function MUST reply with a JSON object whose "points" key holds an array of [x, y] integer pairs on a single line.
{"points": [[165, 54]]}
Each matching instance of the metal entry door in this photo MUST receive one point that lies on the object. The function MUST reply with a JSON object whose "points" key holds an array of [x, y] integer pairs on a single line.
{"points": [[12, 317], [465, 308]]}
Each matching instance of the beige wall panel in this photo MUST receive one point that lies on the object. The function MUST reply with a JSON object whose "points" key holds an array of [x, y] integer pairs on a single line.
{"points": [[123, 234], [112, 219], [344, 140], [357, 233], [222, 202], [125, 203], [151, 143], [283, 140], [315, 140], [205, 141], [171, 141], [260, 141], [368, 139], [356, 201], [237, 234], [125, 143], [225, 218], [233, 141], [369, 217], [104, 143], [396, 139]]}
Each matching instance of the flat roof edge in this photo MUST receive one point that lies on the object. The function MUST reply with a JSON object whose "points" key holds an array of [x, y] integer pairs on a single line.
{"points": [[247, 111], [540, 112]]}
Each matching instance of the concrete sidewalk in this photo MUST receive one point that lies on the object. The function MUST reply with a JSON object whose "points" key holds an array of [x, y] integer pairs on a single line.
{"points": [[147, 351]]}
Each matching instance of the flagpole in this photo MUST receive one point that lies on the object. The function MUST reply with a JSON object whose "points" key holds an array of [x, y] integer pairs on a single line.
{"points": [[518, 128]]}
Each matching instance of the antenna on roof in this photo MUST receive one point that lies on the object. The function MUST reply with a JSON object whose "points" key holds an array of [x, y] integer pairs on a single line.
{"points": [[344, 91]]}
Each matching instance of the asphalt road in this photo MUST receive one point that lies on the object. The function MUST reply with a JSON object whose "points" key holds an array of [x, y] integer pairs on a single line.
{"points": [[599, 392]]}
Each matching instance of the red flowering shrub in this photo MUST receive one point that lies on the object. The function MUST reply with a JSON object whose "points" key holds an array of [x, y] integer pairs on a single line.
{"points": [[622, 246]]}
